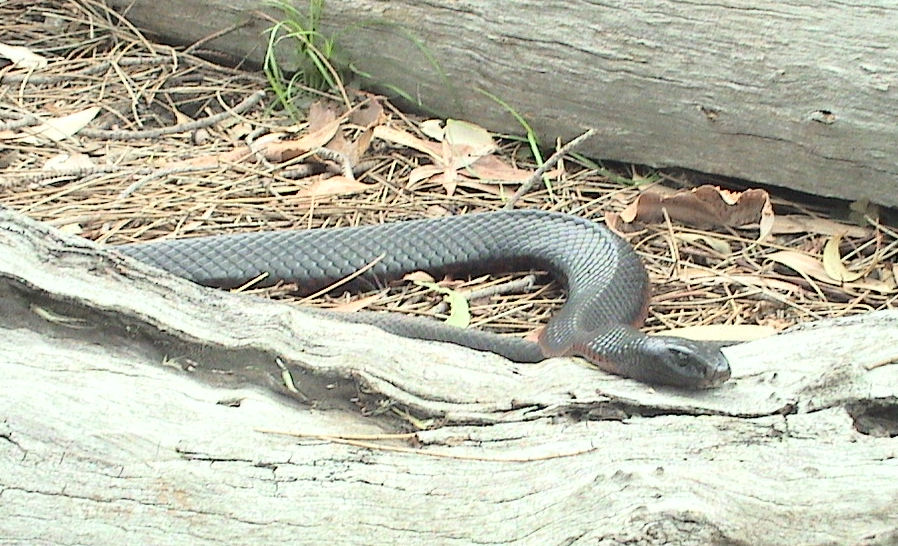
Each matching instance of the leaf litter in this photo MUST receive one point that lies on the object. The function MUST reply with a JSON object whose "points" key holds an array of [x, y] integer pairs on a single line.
{"points": [[732, 263]]}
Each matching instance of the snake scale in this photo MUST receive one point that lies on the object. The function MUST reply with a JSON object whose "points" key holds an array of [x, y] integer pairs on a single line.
{"points": [[606, 282]]}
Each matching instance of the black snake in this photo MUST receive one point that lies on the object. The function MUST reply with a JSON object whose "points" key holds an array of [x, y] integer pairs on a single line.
{"points": [[607, 285]]}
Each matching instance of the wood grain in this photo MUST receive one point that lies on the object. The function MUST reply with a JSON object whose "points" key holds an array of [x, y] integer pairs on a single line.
{"points": [[796, 94]]}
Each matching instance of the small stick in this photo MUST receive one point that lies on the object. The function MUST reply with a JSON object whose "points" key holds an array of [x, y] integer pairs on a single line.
{"points": [[209, 121], [510, 287], [549, 163]]}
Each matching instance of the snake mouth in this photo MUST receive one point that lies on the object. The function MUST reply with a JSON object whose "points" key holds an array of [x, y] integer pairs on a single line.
{"points": [[684, 362], [716, 376]]}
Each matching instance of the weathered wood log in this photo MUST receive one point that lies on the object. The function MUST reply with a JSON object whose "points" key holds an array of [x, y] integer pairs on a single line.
{"points": [[133, 411], [790, 94]]}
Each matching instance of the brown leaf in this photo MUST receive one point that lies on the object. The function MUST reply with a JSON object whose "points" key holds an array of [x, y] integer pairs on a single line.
{"points": [[354, 149], [419, 276], [463, 144], [368, 115], [335, 185], [286, 150], [63, 162], [361, 145], [795, 223], [720, 246], [698, 276], [403, 138], [432, 128], [490, 167], [703, 207], [319, 137], [23, 57], [321, 114], [341, 145], [358, 304], [807, 266], [422, 173], [447, 179]]}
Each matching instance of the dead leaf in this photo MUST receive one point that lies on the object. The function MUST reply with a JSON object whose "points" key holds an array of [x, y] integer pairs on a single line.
{"points": [[181, 117], [23, 57], [423, 173], [462, 152], [362, 144], [704, 207], [459, 309], [886, 286], [447, 179], [71, 229], [832, 262], [54, 130], [358, 304], [767, 283], [418, 276], [698, 276], [398, 136], [321, 114], [795, 223], [808, 266], [718, 245], [335, 185], [68, 162], [285, 150], [812, 268], [490, 167], [432, 128], [340, 145], [368, 115], [319, 137], [465, 138]]}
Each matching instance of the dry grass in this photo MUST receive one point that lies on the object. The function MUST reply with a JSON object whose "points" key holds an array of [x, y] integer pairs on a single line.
{"points": [[97, 60]]}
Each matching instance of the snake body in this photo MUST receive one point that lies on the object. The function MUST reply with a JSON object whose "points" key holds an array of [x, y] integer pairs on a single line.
{"points": [[606, 282]]}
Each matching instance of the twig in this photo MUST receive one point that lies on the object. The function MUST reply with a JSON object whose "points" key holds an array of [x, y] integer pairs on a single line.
{"points": [[24, 121], [159, 174], [245, 105], [538, 174], [510, 287], [339, 157], [91, 70], [51, 176]]}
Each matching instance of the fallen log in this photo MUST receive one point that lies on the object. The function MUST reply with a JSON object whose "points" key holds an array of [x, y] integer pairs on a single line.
{"points": [[140, 408], [789, 94]]}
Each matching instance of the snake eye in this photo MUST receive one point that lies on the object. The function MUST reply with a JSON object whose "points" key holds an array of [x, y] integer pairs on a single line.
{"points": [[681, 359]]}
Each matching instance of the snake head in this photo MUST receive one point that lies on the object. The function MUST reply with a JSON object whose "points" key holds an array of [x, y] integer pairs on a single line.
{"points": [[683, 362]]}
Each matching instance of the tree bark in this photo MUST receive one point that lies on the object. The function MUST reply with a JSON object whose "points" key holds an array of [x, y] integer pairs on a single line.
{"points": [[793, 94], [140, 408]]}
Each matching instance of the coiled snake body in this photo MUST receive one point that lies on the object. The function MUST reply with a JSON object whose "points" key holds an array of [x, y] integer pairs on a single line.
{"points": [[606, 282]]}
